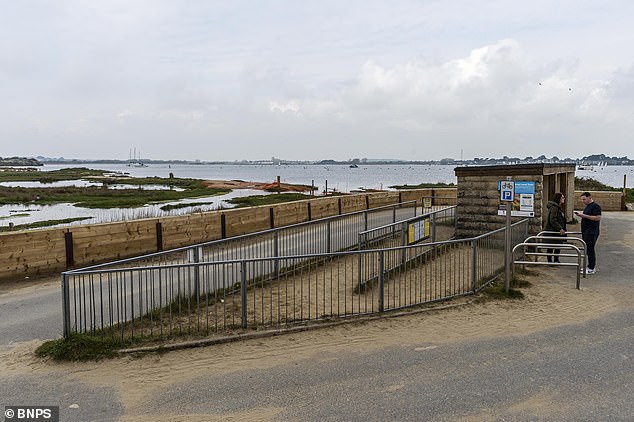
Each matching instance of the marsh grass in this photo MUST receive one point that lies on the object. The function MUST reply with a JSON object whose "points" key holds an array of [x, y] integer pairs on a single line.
{"points": [[171, 207], [424, 185], [38, 224], [99, 197], [255, 200]]}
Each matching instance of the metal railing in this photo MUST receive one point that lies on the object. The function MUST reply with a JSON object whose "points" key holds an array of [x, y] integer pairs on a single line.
{"points": [[221, 297], [330, 234], [436, 203], [441, 223], [552, 240], [209, 297], [579, 255]]}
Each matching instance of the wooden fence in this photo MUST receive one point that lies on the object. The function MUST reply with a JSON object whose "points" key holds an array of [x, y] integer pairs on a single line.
{"points": [[30, 253]]}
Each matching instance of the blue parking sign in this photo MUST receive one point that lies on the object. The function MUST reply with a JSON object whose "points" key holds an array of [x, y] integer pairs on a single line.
{"points": [[507, 190]]}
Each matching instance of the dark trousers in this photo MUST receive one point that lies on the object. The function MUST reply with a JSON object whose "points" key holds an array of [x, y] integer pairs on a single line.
{"points": [[591, 240], [556, 252]]}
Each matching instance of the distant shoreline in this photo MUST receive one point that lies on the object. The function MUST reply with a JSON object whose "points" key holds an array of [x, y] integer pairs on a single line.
{"points": [[477, 162], [600, 160]]}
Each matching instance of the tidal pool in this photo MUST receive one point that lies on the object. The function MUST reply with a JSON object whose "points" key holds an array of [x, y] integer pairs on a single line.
{"points": [[30, 213]]}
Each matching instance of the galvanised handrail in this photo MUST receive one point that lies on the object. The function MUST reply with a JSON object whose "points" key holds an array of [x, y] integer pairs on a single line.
{"points": [[220, 296], [579, 254], [275, 233]]}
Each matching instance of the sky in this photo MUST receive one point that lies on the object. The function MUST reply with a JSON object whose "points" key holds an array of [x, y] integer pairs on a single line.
{"points": [[316, 79]]}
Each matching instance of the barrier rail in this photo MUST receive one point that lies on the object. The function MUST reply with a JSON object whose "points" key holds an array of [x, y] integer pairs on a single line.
{"points": [[397, 233], [555, 245], [330, 234], [524, 245], [226, 296]]}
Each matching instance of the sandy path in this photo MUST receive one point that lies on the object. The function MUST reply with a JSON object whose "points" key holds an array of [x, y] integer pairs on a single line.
{"points": [[552, 301]]}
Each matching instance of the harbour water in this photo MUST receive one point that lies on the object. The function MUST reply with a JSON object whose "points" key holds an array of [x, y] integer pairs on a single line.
{"points": [[339, 178]]}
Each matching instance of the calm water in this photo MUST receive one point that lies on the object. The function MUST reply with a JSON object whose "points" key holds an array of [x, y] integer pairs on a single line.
{"points": [[341, 178], [30, 213]]}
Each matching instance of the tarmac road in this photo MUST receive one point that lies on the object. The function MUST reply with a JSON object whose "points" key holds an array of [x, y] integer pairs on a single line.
{"points": [[32, 313], [578, 373], [574, 372]]}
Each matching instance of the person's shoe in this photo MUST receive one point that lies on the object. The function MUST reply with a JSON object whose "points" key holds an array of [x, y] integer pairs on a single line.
{"points": [[591, 271]]}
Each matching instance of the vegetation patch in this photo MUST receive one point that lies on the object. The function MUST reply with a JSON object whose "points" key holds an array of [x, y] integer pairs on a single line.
{"points": [[255, 200], [81, 347], [100, 196], [590, 184], [424, 185], [45, 223], [49, 176], [4, 217], [496, 291], [170, 207]]}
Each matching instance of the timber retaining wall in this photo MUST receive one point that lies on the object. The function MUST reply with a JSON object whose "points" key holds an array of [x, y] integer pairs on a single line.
{"points": [[39, 252]]}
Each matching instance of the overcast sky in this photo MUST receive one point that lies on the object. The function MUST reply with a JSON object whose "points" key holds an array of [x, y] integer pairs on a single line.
{"points": [[230, 80]]}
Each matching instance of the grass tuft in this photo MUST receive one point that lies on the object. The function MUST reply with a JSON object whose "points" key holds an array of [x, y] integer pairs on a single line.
{"points": [[80, 347], [496, 291]]}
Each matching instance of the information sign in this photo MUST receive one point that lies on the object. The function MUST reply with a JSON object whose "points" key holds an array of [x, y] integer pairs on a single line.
{"points": [[522, 197], [418, 230]]}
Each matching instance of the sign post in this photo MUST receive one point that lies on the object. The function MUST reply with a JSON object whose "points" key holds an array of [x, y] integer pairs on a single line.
{"points": [[507, 194]]}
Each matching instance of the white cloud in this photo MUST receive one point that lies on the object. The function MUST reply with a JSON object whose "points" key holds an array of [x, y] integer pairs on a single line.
{"points": [[289, 107]]}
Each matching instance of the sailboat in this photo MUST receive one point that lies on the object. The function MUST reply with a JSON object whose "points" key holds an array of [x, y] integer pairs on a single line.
{"points": [[133, 161]]}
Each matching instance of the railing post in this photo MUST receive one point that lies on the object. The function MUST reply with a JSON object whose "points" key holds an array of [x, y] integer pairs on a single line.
{"points": [[381, 281], [365, 218], [404, 243], [474, 263], [196, 258], [578, 269], [328, 239], [65, 306], [276, 253], [243, 291]]}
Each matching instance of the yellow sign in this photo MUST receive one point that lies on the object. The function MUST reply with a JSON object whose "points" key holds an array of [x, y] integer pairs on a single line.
{"points": [[419, 230]]}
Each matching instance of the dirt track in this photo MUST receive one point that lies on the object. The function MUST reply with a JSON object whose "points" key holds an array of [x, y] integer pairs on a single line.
{"points": [[241, 184]]}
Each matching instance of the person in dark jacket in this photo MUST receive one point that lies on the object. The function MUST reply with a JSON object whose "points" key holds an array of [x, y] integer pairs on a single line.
{"points": [[555, 222], [590, 221]]}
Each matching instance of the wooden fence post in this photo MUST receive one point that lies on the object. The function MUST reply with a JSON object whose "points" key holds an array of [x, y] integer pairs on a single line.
{"points": [[159, 236], [68, 241]]}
